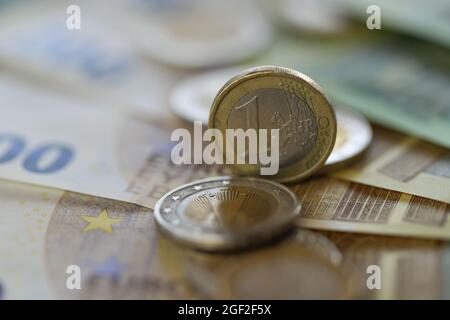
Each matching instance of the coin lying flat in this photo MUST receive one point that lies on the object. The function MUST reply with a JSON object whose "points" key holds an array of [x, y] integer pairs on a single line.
{"points": [[174, 32], [353, 137], [225, 213], [279, 98]]}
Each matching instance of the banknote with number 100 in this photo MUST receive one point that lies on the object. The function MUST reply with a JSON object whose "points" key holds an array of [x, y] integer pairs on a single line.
{"points": [[53, 141]]}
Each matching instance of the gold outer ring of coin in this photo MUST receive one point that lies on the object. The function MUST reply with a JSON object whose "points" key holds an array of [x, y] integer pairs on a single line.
{"points": [[273, 77], [171, 212]]}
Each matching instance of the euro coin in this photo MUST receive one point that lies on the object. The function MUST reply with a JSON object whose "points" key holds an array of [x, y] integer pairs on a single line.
{"points": [[354, 135], [226, 213], [272, 97], [194, 34]]}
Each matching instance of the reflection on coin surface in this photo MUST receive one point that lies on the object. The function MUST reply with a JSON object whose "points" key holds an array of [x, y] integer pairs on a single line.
{"points": [[279, 98], [353, 137], [225, 213], [304, 266]]}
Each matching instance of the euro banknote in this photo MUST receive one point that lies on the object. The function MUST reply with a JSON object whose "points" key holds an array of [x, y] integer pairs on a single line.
{"points": [[403, 163], [426, 20], [115, 245], [333, 204], [120, 255], [79, 148], [410, 268], [95, 61], [395, 82], [60, 142]]}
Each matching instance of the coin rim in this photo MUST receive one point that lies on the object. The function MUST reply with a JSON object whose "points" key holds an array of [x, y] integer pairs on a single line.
{"points": [[360, 152], [290, 73], [184, 94], [217, 242]]}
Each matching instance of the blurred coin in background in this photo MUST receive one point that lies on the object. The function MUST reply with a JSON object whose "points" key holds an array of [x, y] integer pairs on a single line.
{"points": [[225, 213], [191, 99], [194, 33], [309, 16], [353, 137]]}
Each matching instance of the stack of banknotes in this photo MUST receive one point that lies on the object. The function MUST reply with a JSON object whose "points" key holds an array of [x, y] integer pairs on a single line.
{"points": [[85, 125]]}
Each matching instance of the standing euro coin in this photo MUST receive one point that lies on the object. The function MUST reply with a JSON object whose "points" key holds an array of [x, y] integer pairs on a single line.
{"points": [[278, 98], [225, 213]]}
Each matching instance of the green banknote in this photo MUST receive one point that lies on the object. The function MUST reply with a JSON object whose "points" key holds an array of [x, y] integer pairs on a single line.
{"points": [[425, 19], [400, 84]]}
